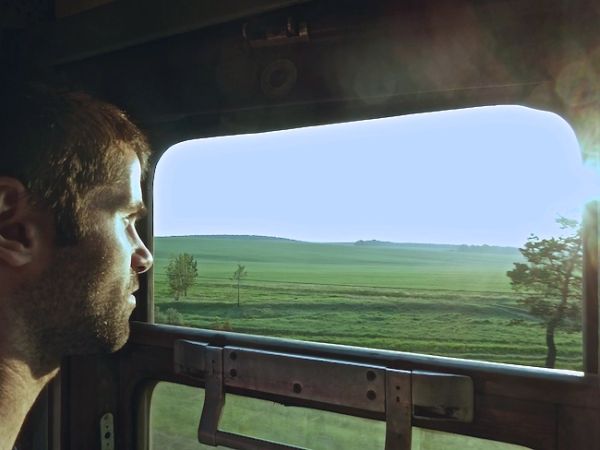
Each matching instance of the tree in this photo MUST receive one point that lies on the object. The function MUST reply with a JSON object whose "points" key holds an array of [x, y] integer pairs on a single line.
{"points": [[182, 272], [552, 280], [237, 276]]}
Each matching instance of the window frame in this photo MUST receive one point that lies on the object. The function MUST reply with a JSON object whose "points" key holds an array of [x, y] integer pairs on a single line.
{"points": [[523, 402], [590, 223]]}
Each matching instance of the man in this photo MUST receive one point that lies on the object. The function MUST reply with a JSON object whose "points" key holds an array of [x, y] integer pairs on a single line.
{"points": [[70, 170]]}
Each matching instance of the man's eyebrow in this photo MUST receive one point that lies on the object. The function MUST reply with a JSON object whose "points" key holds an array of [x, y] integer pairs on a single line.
{"points": [[138, 210], [115, 200]]}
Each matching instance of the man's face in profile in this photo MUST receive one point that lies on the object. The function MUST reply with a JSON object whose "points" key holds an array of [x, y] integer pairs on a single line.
{"points": [[82, 300]]}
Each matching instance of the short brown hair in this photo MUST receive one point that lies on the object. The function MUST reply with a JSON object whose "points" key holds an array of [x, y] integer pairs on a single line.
{"points": [[62, 144]]}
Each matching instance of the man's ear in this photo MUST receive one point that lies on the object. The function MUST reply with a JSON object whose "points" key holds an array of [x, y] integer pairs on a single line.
{"points": [[15, 224]]}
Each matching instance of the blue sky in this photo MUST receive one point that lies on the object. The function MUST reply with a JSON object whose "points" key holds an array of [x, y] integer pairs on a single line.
{"points": [[488, 175]]}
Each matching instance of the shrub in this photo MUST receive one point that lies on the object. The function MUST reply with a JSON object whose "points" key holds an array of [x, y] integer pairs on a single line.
{"points": [[170, 316]]}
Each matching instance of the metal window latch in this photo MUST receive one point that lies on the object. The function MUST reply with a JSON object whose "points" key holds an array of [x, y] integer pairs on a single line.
{"points": [[190, 358], [107, 432], [398, 395]]}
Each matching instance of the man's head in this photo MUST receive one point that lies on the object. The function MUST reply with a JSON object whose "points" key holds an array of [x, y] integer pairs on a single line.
{"points": [[70, 170], [61, 145]]}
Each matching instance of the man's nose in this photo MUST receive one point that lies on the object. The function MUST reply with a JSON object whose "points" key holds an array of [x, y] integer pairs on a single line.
{"points": [[142, 259]]}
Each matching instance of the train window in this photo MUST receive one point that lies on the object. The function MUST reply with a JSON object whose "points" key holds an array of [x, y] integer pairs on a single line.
{"points": [[175, 414], [398, 233]]}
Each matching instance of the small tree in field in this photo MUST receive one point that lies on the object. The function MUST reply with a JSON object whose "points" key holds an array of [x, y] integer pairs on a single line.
{"points": [[182, 272], [237, 276], [552, 280]]}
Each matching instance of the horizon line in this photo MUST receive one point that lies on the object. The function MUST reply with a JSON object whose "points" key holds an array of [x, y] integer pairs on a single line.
{"points": [[333, 242]]}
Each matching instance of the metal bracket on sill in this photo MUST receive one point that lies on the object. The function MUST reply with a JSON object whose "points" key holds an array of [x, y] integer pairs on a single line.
{"points": [[275, 32], [399, 394]]}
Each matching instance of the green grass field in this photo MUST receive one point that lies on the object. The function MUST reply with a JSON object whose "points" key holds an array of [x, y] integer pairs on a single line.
{"points": [[436, 299]]}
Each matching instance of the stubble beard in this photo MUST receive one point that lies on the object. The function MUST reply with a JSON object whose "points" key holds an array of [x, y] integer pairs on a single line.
{"points": [[77, 306]]}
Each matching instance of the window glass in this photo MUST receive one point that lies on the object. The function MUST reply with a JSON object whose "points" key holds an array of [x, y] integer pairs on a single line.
{"points": [[175, 415], [398, 233]]}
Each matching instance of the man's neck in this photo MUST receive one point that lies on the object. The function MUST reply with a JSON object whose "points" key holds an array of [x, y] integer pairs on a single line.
{"points": [[18, 391]]}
